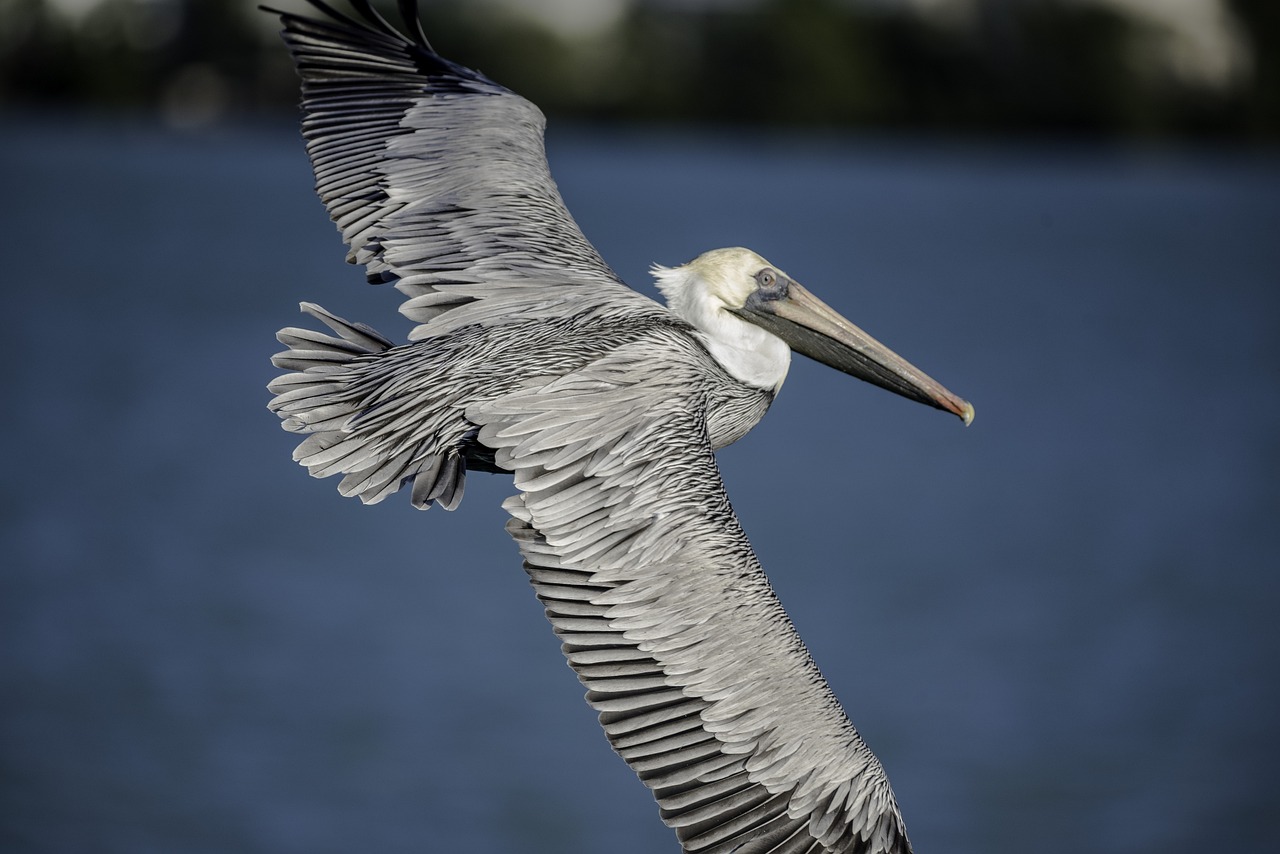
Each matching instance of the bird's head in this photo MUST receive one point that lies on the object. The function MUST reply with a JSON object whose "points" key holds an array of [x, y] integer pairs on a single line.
{"points": [[750, 313]]}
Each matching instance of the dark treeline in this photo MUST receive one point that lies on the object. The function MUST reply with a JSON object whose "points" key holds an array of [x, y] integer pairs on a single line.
{"points": [[1044, 66]]}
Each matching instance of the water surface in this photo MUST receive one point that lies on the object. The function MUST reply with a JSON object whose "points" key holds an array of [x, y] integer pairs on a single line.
{"points": [[1056, 628]]}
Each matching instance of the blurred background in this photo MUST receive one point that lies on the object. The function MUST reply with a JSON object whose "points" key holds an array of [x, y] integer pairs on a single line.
{"points": [[1056, 628], [1144, 68]]}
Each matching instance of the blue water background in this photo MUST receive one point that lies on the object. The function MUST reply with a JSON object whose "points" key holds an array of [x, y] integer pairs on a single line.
{"points": [[1057, 628]]}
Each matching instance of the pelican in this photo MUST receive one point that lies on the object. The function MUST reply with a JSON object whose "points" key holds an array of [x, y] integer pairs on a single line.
{"points": [[531, 356]]}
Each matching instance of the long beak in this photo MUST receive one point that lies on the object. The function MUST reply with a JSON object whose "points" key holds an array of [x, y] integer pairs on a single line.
{"points": [[813, 328]]}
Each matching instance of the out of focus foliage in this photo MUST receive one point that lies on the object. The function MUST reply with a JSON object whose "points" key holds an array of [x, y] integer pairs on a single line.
{"points": [[1047, 66]]}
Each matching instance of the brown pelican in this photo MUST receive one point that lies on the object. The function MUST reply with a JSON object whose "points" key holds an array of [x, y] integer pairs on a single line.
{"points": [[532, 357]]}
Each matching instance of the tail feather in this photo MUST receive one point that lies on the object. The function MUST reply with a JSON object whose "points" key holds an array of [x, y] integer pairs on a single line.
{"points": [[443, 485], [357, 334], [339, 395], [308, 348], [379, 480]]}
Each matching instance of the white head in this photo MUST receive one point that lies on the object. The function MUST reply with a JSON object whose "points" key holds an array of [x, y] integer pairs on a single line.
{"points": [[706, 292], [750, 315]]}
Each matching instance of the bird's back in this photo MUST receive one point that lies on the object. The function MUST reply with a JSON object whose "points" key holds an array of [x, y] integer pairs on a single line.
{"points": [[386, 416]]}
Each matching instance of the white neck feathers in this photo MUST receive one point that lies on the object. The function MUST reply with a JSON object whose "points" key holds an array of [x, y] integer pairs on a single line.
{"points": [[747, 352]]}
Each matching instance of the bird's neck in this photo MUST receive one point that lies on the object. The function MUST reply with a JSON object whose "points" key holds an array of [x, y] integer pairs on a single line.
{"points": [[748, 353]]}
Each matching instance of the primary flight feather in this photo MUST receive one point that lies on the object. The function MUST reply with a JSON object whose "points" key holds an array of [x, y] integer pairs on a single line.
{"points": [[532, 357]]}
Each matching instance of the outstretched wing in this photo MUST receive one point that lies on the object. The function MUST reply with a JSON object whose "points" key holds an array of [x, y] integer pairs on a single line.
{"points": [[702, 684], [437, 178]]}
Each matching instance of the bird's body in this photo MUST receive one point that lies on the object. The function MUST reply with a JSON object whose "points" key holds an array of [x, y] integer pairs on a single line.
{"points": [[365, 402], [533, 358]]}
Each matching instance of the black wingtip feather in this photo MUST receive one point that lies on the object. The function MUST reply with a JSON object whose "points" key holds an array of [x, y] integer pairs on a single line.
{"points": [[413, 22], [372, 31], [291, 18]]}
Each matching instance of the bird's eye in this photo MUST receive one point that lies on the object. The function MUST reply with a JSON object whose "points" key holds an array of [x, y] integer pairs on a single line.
{"points": [[766, 278]]}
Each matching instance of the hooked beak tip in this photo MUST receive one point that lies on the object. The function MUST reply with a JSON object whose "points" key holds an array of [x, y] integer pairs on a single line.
{"points": [[957, 406]]}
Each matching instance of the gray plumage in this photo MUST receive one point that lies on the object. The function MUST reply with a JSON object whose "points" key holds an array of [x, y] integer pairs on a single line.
{"points": [[531, 357]]}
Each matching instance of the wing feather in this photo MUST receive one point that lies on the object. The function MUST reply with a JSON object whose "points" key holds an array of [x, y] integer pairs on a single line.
{"points": [[701, 682], [437, 178]]}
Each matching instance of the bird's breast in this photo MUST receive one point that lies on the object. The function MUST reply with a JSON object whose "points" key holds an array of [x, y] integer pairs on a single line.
{"points": [[733, 408]]}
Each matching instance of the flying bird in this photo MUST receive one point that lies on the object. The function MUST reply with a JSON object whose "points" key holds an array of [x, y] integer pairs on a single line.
{"points": [[531, 356]]}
